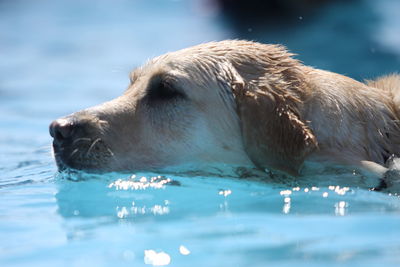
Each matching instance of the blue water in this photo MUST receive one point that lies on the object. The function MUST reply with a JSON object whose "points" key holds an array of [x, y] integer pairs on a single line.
{"points": [[61, 56]]}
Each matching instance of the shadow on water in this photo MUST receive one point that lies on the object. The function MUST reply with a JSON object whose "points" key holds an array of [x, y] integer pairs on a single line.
{"points": [[340, 36]]}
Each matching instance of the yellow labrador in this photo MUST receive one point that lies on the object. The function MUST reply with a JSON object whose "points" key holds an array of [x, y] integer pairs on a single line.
{"points": [[234, 102]]}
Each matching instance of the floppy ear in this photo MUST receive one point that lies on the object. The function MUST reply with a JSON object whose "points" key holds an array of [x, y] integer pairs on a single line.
{"points": [[273, 133]]}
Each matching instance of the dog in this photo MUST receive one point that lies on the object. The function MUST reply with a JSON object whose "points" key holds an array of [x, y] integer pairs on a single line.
{"points": [[234, 102]]}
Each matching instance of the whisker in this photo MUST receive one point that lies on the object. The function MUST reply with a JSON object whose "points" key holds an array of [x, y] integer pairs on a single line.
{"points": [[74, 152], [109, 150], [92, 146], [81, 139], [117, 162]]}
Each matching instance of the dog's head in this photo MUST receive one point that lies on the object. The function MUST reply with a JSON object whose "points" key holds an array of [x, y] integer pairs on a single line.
{"points": [[232, 102]]}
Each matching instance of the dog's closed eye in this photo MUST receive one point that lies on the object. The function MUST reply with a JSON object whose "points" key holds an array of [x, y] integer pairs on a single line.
{"points": [[163, 90]]}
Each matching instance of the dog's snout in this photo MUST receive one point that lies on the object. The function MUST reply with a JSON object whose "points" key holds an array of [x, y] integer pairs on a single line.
{"points": [[61, 129], [79, 125]]}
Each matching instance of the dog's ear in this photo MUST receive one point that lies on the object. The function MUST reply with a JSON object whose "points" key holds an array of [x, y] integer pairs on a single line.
{"points": [[273, 133], [269, 108]]}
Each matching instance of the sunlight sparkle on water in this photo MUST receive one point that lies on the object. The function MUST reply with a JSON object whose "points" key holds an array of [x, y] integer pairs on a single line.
{"points": [[225, 193], [285, 192], [154, 258], [340, 208], [159, 210], [286, 205], [123, 212], [338, 190], [183, 250], [143, 183]]}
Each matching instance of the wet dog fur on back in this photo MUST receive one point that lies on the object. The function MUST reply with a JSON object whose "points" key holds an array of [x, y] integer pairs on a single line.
{"points": [[234, 102]]}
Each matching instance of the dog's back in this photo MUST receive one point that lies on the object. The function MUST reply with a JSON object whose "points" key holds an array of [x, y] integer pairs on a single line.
{"points": [[353, 121], [390, 84]]}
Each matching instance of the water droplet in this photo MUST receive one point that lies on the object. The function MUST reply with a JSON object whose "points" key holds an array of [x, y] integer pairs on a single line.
{"points": [[183, 250]]}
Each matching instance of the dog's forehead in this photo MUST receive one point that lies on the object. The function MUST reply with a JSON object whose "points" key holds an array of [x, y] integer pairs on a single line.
{"points": [[173, 64], [211, 62], [213, 56]]}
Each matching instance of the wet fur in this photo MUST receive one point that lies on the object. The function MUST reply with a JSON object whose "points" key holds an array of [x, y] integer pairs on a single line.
{"points": [[249, 104]]}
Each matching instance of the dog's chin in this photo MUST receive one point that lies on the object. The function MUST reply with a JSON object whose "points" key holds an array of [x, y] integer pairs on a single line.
{"points": [[70, 158], [215, 170], [68, 165]]}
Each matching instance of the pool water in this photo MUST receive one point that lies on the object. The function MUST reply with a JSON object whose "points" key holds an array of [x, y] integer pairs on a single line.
{"points": [[58, 57]]}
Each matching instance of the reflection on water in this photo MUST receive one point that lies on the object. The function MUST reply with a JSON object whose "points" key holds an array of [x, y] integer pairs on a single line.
{"points": [[147, 197], [141, 183], [340, 208]]}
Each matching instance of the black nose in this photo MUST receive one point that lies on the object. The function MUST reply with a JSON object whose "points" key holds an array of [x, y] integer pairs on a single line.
{"points": [[61, 129]]}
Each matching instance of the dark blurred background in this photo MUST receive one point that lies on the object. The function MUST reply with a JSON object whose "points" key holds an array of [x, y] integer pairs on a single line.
{"points": [[359, 38], [59, 56]]}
